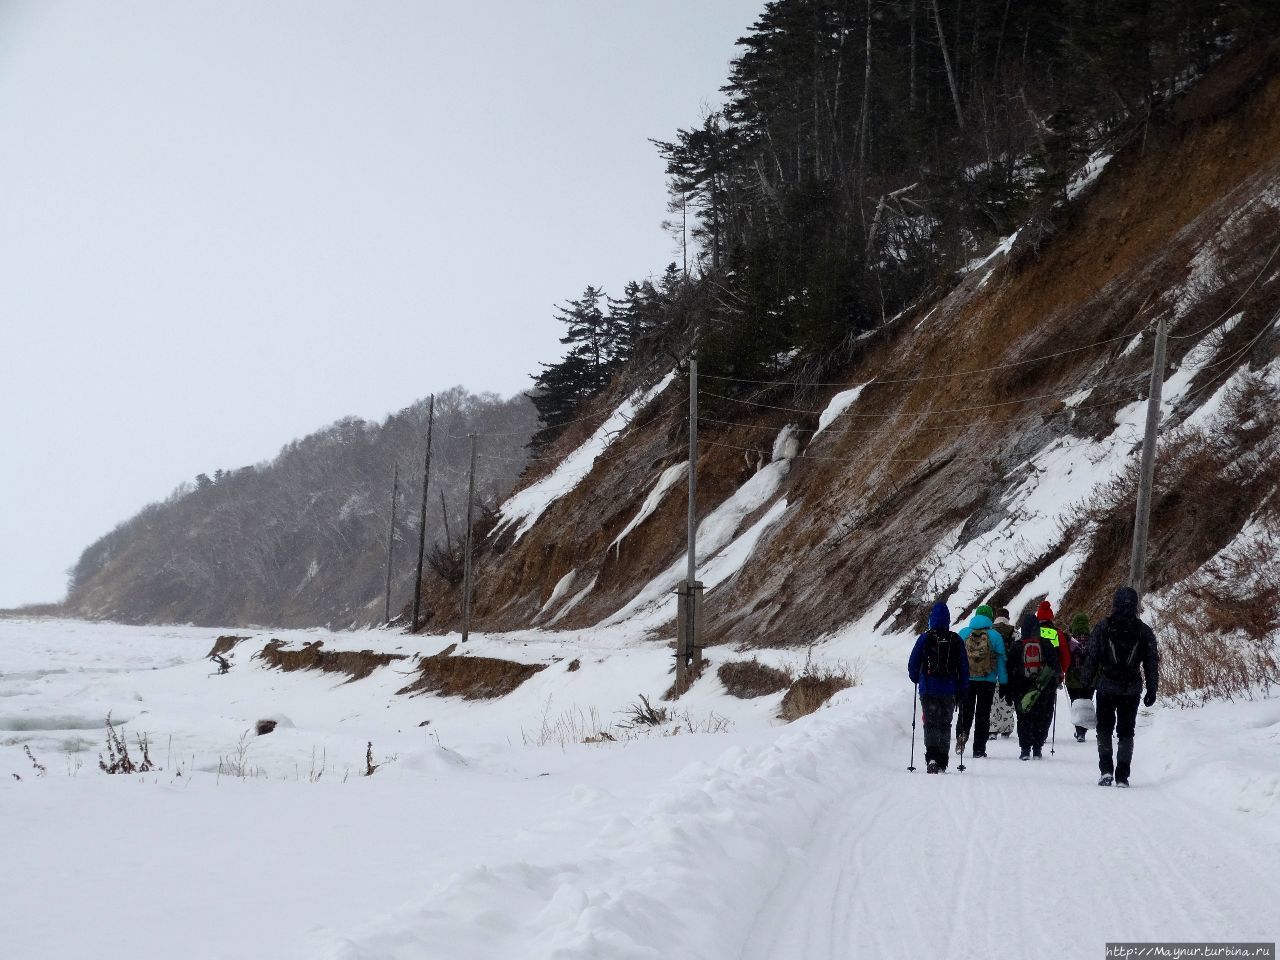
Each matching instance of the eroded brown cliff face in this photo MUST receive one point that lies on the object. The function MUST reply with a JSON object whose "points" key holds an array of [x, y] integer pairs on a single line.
{"points": [[1182, 223]]}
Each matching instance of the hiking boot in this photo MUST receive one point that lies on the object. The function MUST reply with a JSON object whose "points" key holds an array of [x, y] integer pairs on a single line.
{"points": [[1105, 780], [1079, 738], [1122, 781], [1035, 752], [932, 766], [979, 754], [1025, 755]]}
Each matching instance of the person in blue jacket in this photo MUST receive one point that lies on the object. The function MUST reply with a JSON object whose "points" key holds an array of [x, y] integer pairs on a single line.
{"points": [[939, 667], [984, 647]]}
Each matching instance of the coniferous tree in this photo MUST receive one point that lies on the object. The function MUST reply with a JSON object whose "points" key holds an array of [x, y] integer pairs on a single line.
{"points": [[869, 148]]}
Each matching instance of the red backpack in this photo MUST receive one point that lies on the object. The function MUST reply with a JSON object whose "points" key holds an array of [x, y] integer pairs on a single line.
{"points": [[1032, 656]]}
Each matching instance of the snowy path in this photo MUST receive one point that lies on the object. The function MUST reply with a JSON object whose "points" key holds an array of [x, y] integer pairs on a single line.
{"points": [[816, 844], [1022, 859], [806, 841]]}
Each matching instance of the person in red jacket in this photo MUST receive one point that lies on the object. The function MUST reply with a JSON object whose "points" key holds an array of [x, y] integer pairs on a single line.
{"points": [[1044, 613]]}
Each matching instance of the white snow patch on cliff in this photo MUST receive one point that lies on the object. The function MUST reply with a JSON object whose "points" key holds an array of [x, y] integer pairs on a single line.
{"points": [[523, 509], [666, 481]]}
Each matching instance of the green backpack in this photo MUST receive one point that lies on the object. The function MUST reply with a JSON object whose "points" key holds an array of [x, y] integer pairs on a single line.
{"points": [[982, 658]]}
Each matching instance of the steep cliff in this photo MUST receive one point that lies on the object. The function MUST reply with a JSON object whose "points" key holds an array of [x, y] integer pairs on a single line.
{"points": [[981, 445]]}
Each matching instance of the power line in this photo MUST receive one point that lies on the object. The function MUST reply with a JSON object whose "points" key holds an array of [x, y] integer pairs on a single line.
{"points": [[627, 425], [839, 432], [601, 456], [930, 413], [1234, 304], [935, 376], [1230, 360], [1084, 441]]}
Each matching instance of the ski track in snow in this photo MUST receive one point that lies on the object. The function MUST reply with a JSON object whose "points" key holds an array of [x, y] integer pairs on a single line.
{"points": [[819, 845], [938, 866]]}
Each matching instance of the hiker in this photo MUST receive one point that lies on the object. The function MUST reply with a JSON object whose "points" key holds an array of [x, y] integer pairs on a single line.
{"points": [[1077, 641], [1049, 631], [984, 647], [1003, 717], [1033, 673], [1120, 659], [938, 665]]}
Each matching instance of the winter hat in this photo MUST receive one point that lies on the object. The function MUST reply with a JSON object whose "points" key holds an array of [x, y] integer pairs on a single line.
{"points": [[985, 611], [1079, 625], [1126, 603], [939, 616], [1044, 612], [1029, 626]]}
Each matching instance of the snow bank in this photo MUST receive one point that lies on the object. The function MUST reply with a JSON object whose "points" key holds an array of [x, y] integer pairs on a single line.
{"points": [[666, 481], [576, 599], [1000, 249], [523, 509], [558, 592], [1092, 170], [841, 402], [672, 882], [655, 602]]}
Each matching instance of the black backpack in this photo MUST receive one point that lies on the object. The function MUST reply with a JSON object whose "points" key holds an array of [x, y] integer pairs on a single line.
{"points": [[942, 655], [1121, 644]]}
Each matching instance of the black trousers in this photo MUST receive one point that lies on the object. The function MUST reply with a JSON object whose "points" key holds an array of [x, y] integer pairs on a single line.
{"points": [[1118, 713], [975, 711], [937, 728], [1033, 724], [1077, 693]]}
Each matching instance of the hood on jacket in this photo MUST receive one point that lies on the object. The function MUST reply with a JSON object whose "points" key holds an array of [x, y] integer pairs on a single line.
{"points": [[980, 622], [1125, 603], [1044, 612], [1029, 626], [939, 617]]}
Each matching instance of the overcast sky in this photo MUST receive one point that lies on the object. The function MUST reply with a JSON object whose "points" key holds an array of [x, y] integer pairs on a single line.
{"points": [[226, 223]]}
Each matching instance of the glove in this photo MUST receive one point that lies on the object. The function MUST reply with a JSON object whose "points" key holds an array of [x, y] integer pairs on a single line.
{"points": [[1149, 700]]}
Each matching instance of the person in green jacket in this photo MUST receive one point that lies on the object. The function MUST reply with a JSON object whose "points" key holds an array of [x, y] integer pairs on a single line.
{"points": [[1077, 642]]}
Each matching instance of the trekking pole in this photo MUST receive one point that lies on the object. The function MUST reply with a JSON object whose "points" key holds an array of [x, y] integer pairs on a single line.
{"points": [[911, 768], [1054, 735], [963, 743]]}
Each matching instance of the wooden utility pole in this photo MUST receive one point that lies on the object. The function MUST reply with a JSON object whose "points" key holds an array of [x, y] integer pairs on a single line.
{"points": [[689, 600], [1138, 560], [692, 568], [444, 516], [391, 536], [466, 555], [422, 519]]}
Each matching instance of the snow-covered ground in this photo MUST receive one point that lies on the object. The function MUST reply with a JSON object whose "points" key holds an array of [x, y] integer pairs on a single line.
{"points": [[493, 832]]}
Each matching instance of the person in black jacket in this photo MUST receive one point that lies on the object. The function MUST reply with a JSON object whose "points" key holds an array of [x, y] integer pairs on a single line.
{"points": [[1033, 668], [1121, 657]]}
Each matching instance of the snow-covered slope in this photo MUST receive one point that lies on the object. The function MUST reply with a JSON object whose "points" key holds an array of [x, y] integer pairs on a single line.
{"points": [[522, 510], [971, 457]]}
